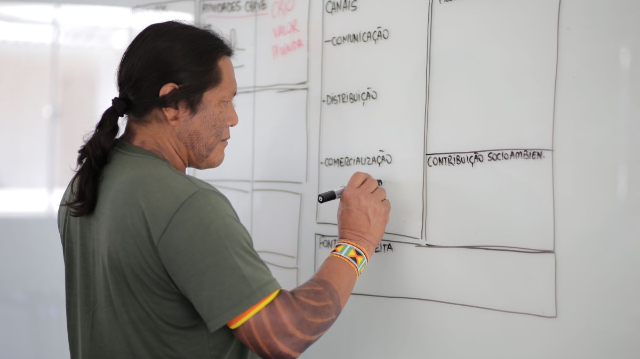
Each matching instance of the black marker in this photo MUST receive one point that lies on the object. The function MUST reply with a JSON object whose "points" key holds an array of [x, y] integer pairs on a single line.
{"points": [[335, 194]]}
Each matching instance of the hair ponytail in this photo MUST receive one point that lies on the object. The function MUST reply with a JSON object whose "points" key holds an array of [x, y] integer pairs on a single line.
{"points": [[92, 157], [168, 52]]}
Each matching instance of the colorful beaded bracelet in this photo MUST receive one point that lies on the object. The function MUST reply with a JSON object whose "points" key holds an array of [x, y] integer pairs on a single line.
{"points": [[351, 253]]}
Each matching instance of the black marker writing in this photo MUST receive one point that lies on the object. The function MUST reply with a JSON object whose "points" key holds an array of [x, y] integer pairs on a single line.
{"points": [[220, 7], [351, 97], [327, 243], [474, 158], [332, 7], [515, 155], [374, 36], [378, 159], [384, 247], [455, 160], [255, 6]]}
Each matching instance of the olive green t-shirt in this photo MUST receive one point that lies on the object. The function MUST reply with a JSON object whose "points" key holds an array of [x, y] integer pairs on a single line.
{"points": [[160, 266]]}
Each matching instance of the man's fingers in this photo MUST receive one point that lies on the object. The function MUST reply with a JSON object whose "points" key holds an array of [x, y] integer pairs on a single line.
{"points": [[369, 185], [380, 194], [387, 204], [358, 179]]}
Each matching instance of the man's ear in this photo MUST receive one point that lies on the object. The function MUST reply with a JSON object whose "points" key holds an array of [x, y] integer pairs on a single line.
{"points": [[174, 115]]}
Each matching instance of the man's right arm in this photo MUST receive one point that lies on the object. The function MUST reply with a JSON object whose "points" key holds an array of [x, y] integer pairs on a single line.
{"points": [[296, 319]]}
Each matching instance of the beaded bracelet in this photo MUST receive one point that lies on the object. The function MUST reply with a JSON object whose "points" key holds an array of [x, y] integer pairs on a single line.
{"points": [[351, 253]]}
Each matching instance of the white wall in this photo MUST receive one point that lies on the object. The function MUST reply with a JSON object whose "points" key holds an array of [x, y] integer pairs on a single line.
{"points": [[32, 305]]}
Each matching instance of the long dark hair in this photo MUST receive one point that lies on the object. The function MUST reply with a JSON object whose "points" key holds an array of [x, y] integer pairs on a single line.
{"points": [[168, 52]]}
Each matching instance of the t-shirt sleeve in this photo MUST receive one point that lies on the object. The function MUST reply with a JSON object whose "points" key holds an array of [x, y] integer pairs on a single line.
{"points": [[210, 256]]}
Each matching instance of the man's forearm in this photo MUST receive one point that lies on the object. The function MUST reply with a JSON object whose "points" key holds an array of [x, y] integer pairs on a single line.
{"points": [[296, 319]]}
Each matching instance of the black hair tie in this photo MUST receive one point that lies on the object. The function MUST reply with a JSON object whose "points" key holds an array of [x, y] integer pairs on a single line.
{"points": [[120, 106]]}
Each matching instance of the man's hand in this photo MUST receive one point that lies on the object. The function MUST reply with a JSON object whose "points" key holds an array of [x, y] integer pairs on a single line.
{"points": [[364, 211]]}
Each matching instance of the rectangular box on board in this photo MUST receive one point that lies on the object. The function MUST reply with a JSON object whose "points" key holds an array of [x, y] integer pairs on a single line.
{"points": [[489, 171], [513, 282], [270, 38], [373, 104]]}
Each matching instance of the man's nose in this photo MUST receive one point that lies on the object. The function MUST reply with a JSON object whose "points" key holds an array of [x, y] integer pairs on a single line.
{"points": [[233, 119]]}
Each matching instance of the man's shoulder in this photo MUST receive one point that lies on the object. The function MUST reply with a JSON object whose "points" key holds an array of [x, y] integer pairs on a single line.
{"points": [[151, 190], [152, 175]]}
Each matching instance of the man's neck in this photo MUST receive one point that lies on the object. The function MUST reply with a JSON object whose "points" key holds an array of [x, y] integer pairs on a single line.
{"points": [[159, 139]]}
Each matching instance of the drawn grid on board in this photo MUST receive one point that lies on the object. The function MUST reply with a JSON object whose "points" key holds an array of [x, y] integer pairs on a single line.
{"points": [[271, 68], [361, 96], [270, 38], [277, 232], [536, 261], [496, 280], [494, 174]]}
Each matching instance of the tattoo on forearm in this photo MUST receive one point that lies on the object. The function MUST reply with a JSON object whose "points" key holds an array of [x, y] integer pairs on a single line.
{"points": [[293, 321]]}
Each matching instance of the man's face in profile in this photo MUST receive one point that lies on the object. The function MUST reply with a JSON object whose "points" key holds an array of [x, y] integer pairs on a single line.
{"points": [[205, 134]]}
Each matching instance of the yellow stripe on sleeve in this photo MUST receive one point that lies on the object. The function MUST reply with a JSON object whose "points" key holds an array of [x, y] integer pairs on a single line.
{"points": [[247, 314]]}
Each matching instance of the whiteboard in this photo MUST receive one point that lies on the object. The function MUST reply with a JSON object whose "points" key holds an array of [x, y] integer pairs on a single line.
{"points": [[281, 136], [276, 221], [568, 216], [505, 135]]}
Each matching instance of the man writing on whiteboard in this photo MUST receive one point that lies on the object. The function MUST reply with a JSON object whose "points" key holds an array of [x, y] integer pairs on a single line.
{"points": [[157, 263]]}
